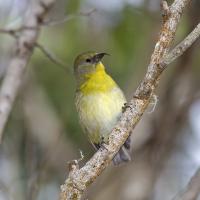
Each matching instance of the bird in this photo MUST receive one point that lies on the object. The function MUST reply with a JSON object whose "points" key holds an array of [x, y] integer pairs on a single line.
{"points": [[99, 102]]}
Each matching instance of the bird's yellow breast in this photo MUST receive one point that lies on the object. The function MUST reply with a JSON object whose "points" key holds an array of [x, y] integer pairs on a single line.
{"points": [[99, 103], [99, 81]]}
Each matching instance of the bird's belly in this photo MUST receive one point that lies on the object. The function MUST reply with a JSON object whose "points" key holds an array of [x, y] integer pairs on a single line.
{"points": [[99, 112]]}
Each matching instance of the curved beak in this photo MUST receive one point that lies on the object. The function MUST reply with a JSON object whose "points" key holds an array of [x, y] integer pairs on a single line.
{"points": [[98, 57]]}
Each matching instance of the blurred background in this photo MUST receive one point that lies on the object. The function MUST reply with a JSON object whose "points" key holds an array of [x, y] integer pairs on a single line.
{"points": [[43, 132]]}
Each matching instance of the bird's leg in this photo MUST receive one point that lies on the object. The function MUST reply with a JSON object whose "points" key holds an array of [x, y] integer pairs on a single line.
{"points": [[101, 145], [124, 107]]}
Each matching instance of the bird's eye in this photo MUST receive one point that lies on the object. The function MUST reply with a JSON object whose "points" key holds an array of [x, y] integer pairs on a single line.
{"points": [[88, 60]]}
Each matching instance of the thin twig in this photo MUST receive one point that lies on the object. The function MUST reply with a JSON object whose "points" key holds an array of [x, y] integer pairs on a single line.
{"points": [[68, 17], [52, 57], [15, 31], [44, 50]]}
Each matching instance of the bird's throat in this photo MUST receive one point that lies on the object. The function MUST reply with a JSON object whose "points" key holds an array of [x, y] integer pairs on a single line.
{"points": [[99, 81]]}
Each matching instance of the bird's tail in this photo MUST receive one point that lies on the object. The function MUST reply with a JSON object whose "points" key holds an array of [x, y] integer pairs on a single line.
{"points": [[123, 154]]}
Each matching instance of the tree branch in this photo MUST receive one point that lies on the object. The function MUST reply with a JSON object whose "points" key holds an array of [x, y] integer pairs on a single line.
{"points": [[183, 46], [79, 179], [192, 190], [15, 33], [23, 50]]}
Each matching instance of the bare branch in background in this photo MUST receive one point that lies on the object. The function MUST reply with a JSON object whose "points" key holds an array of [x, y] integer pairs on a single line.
{"points": [[52, 57], [10, 32], [51, 22], [15, 33], [80, 179], [69, 17], [23, 50], [192, 190]]}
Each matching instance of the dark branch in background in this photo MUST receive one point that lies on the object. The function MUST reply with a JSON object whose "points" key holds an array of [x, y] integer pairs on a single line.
{"points": [[52, 57], [14, 33], [192, 190]]}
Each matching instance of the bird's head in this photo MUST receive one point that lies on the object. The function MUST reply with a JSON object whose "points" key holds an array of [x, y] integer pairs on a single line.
{"points": [[87, 64]]}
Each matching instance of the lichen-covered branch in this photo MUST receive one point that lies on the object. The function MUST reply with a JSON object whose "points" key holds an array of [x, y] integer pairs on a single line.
{"points": [[192, 190], [79, 179], [184, 45], [25, 42]]}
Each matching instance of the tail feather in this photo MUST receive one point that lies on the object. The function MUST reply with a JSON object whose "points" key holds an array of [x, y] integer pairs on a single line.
{"points": [[124, 153]]}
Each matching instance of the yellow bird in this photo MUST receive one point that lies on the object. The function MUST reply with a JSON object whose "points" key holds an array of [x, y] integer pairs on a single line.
{"points": [[99, 101]]}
